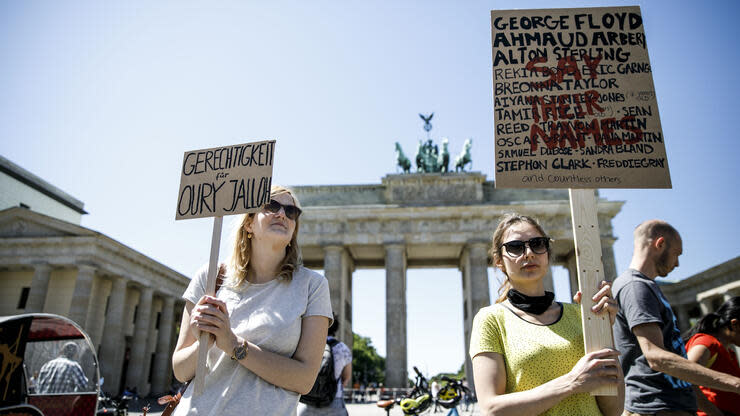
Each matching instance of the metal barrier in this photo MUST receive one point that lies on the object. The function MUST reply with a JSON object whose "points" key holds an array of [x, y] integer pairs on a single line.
{"points": [[371, 395]]}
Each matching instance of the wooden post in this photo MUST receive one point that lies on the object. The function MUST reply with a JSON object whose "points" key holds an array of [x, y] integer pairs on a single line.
{"points": [[200, 369], [597, 329]]}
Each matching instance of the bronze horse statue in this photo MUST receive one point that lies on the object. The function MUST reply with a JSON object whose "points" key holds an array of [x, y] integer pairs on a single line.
{"points": [[464, 157], [403, 162]]}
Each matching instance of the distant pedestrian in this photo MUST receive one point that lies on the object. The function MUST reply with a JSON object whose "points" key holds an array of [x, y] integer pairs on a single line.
{"points": [[435, 395], [710, 344], [342, 373], [62, 374]]}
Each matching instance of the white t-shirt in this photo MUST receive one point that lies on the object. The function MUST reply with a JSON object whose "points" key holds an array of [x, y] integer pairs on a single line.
{"points": [[268, 315], [342, 356]]}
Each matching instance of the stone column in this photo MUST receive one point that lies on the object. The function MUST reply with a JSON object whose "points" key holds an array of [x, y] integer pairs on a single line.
{"points": [[478, 255], [338, 271], [477, 295], [683, 317], [547, 281], [333, 273], [112, 348], [468, 313], [39, 287], [345, 325], [81, 296], [396, 374], [139, 362], [572, 267], [162, 362], [706, 306], [607, 259], [96, 316]]}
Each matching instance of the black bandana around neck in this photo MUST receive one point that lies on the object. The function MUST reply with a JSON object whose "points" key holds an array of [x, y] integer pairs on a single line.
{"points": [[532, 304]]}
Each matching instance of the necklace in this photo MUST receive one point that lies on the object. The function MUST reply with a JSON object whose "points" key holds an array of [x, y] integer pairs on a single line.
{"points": [[531, 304]]}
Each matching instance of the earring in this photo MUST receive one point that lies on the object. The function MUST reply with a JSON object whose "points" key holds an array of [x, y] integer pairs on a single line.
{"points": [[249, 235]]}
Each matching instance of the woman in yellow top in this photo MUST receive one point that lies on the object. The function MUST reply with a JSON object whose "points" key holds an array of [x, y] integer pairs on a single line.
{"points": [[527, 350]]}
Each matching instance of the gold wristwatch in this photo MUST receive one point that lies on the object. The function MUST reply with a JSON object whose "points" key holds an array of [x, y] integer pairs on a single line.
{"points": [[240, 351]]}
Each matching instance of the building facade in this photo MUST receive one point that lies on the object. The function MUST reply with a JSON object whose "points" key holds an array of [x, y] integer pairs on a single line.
{"points": [[21, 188], [128, 304], [703, 292]]}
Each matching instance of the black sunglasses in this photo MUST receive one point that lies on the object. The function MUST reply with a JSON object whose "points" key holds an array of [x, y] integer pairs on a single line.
{"points": [[516, 248], [291, 211]]}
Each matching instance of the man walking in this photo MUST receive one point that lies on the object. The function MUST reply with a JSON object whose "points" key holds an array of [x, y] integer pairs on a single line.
{"points": [[658, 377]]}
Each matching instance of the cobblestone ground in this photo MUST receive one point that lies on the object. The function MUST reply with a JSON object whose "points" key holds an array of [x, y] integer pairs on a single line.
{"points": [[353, 409]]}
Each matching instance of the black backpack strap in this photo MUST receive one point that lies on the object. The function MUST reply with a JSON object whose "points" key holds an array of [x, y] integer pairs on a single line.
{"points": [[332, 342]]}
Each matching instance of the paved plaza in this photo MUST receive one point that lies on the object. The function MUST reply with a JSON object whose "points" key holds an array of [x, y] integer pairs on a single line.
{"points": [[367, 409]]}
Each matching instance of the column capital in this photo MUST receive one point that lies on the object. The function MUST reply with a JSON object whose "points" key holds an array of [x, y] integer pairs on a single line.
{"points": [[478, 247], [118, 281], [394, 245], [41, 267], [39, 287], [332, 247], [86, 268], [169, 301]]}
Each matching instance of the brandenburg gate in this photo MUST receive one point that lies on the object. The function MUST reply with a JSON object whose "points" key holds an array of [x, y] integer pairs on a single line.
{"points": [[426, 220]]}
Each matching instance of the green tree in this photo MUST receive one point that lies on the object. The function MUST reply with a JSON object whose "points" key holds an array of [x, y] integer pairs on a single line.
{"points": [[367, 365]]}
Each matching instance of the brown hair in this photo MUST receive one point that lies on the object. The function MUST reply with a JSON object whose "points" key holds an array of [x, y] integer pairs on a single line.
{"points": [[496, 251], [239, 262]]}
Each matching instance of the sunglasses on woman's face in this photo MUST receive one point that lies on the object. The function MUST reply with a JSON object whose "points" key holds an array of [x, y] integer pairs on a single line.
{"points": [[515, 248], [291, 211]]}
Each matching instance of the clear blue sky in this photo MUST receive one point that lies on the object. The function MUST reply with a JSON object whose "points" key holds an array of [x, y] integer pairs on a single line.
{"points": [[102, 99]]}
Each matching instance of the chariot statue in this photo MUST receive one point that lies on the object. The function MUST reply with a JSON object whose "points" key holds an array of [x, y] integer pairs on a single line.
{"points": [[428, 157]]}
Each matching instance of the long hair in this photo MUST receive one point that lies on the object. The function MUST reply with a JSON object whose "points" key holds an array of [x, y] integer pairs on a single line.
{"points": [[496, 251], [241, 255], [714, 321]]}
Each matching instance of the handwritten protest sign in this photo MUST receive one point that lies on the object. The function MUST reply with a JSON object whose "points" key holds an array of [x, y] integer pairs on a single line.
{"points": [[575, 107], [574, 101], [216, 182], [225, 180]]}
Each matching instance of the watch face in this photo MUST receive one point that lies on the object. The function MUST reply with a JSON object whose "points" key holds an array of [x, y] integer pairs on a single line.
{"points": [[240, 352]]}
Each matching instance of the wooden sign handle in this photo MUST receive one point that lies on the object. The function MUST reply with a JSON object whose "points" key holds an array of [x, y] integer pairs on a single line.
{"points": [[200, 369], [597, 329]]}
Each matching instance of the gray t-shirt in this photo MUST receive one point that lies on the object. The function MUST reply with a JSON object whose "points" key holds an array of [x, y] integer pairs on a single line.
{"points": [[647, 391], [268, 315]]}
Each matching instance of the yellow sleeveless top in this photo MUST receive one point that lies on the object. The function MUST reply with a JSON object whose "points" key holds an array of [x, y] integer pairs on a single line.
{"points": [[534, 354]]}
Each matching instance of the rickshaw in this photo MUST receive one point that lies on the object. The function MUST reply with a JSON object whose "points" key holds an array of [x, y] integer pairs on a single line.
{"points": [[37, 377]]}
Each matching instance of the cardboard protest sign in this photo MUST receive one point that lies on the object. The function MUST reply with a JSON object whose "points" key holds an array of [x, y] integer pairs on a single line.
{"points": [[574, 101], [216, 182], [225, 180]]}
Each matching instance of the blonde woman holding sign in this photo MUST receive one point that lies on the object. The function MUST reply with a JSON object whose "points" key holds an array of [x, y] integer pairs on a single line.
{"points": [[269, 321], [527, 350]]}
